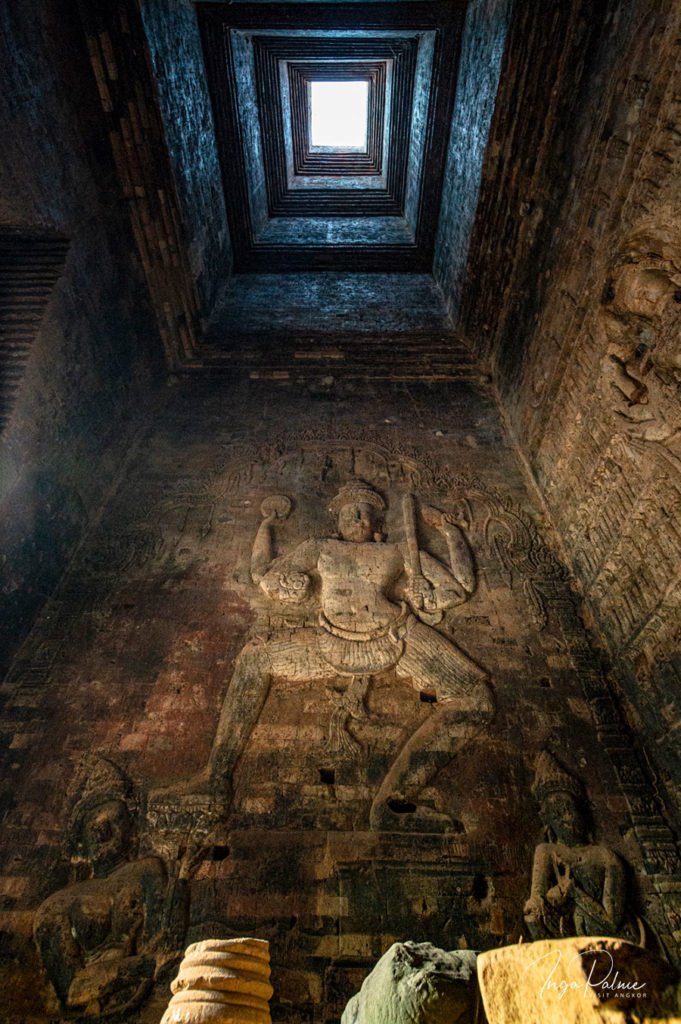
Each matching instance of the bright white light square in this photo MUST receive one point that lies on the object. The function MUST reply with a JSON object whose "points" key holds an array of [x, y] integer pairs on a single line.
{"points": [[338, 115]]}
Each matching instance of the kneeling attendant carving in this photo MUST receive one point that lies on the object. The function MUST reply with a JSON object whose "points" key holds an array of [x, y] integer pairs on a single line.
{"points": [[578, 886], [102, 940]]}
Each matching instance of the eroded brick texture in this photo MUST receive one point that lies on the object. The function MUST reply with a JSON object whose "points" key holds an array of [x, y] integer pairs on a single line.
{"points": [[482, 47], [111, 706], [94, 350], [594, 399], [173, 39], [559, 63], [121, 63], [133, 656]]}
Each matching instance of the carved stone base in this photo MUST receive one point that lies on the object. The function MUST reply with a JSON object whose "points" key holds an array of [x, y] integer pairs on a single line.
{"points": [[580, 979], [224, 982], [174, 815], [416, 982]]}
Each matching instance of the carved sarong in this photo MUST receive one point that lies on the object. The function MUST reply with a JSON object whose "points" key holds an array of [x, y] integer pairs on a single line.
{"points": [[432, 660], [362, 654], [417, 650]]}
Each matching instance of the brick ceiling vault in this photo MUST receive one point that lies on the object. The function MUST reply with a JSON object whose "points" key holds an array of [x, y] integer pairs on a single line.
{"points": [[207, 114], [258, 58], [119, 56]]}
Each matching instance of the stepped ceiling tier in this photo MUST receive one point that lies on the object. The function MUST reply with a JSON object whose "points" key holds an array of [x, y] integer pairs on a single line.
{"points": [[293, 207]]}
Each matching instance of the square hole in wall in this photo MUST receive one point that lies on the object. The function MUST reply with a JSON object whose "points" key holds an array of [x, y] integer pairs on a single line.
{"points": [[339, 116]]}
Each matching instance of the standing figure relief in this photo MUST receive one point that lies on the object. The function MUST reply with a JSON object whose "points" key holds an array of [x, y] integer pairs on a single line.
{"points": [[377, 603], [578, 886]]}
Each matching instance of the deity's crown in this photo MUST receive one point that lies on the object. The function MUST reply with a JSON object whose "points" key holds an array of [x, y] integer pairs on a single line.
{"points": [[355, 492], [550, 777], [100, 781]]}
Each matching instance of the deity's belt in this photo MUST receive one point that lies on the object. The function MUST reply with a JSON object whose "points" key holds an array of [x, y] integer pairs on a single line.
{"points": [[362, 653]]}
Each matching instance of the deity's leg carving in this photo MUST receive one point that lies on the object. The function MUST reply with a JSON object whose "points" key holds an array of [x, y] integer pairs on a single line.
{"points": [[259, 662], [463, 707], [448, 731]]}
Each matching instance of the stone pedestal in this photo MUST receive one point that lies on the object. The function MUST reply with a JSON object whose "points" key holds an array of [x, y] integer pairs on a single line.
{"points": [[581, 980], [416, 983], [222, 982]]}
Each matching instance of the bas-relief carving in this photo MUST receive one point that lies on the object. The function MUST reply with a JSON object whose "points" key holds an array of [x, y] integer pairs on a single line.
{"points": [[633, 435], [642, 368], [242, 469], [341, 744], [475, 511], [376, 603], [578, 887], [615, 442], [509, 534], [193, 508], [104, 939], [511, 541], [292, 642]]}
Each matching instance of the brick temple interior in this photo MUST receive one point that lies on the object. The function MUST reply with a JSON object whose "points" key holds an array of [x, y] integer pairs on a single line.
{"points": [[226, 708]]}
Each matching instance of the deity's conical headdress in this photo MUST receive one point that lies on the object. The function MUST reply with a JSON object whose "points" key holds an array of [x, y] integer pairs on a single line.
{"points": [[550, 777], [356, 491], [99, 781]]}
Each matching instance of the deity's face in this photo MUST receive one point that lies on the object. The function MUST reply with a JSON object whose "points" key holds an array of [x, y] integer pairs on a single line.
{"points": [[561, 813], [106, 834], [355, 522]]}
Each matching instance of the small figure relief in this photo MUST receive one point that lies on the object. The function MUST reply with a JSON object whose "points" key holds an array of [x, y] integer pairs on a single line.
{"points": [[103, 940], [376, 603], [642, 369], [646, 393], [578, 886], [341, 744]]}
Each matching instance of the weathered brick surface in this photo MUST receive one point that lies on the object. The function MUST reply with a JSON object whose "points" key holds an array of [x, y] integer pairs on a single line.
{"points": [[94, 351], [606, 455], [559, 65], [343, 304], [482, 48], [133, 655], [175, 46], [120, 60]]}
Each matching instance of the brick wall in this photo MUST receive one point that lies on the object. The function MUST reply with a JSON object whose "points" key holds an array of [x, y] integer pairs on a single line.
{"points": [[95, 350], [583, 323], [132, 660]]}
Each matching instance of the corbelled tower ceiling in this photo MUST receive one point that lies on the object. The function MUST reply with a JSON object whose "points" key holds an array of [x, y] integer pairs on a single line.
{"points": [[340, 481], [290, 208], [431, 71]]}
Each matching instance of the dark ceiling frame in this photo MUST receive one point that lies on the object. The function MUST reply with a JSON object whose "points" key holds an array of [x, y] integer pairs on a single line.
{"points": [[254, 255]]}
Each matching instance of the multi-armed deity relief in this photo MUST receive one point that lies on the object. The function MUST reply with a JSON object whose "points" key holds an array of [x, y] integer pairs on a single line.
{"points": [[371, 649], [377, 604]]}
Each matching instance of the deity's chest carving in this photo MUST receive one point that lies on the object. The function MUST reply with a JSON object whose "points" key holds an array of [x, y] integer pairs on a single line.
{"points": [[354, 578]]}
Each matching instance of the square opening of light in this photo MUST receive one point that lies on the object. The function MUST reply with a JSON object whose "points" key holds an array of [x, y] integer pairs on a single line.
{"points": [[306, 162], [339, 115]]}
